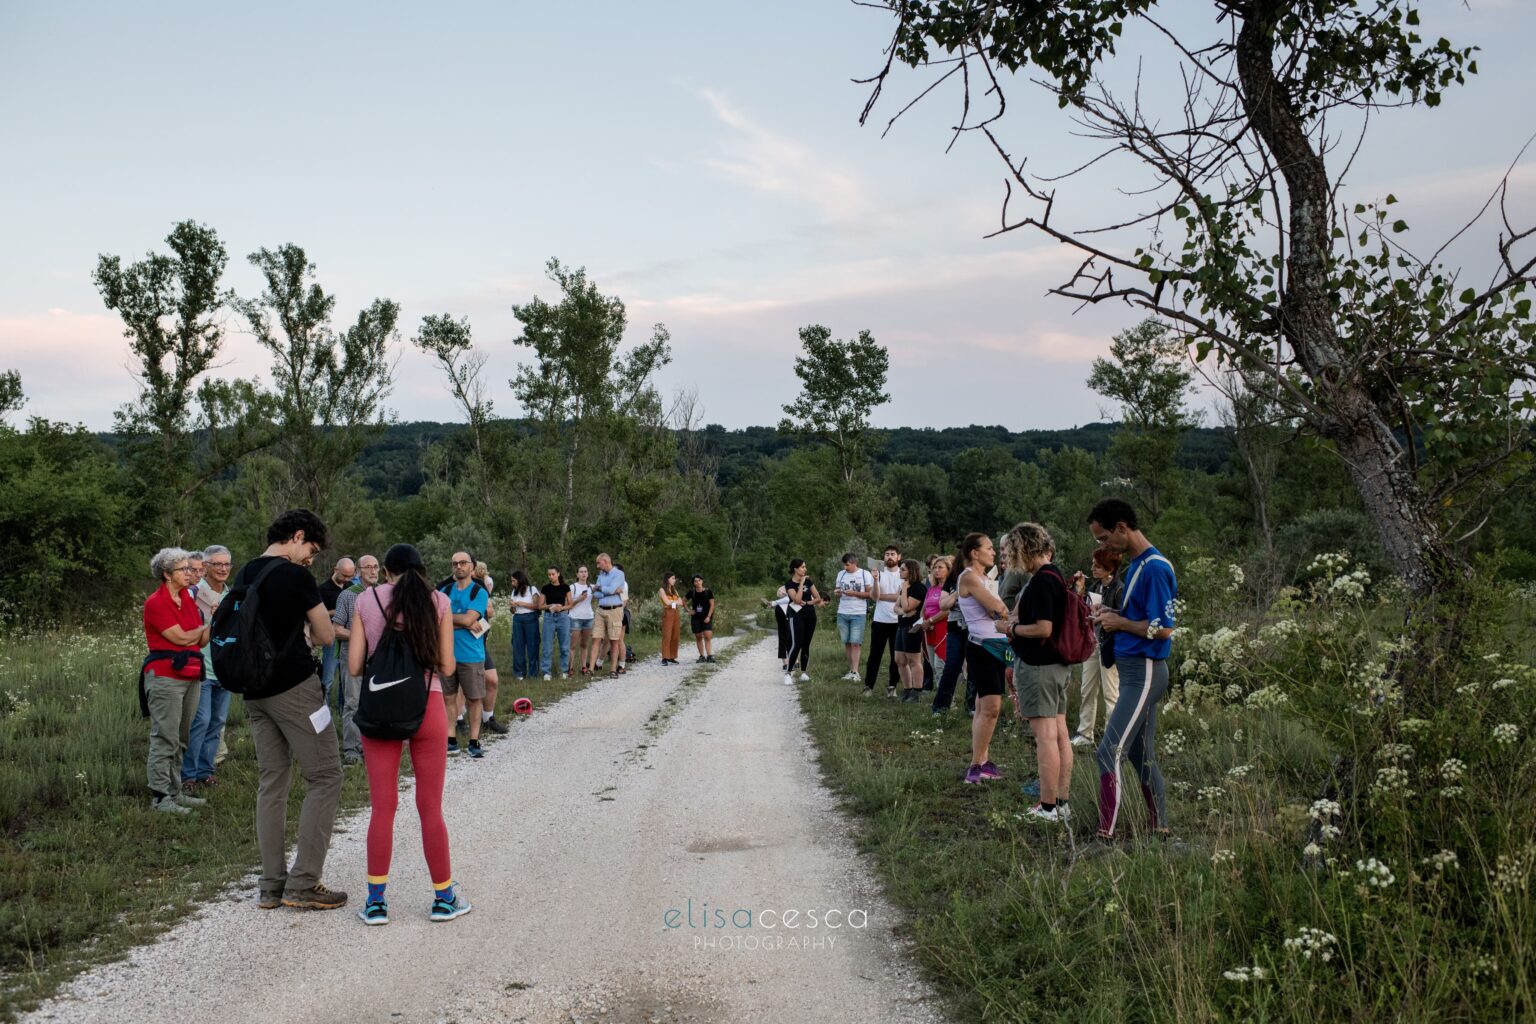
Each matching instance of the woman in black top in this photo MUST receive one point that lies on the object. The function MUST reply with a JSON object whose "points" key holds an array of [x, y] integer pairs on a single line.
{"points": [[701, 604], [909, 638], [801, 619]]}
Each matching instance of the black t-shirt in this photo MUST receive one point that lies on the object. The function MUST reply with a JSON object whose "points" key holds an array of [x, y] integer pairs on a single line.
{"points": [[917, 592], [701, 599], [330, 591], [1044, 598], [806, 586], [286, 598], [556, 593]]}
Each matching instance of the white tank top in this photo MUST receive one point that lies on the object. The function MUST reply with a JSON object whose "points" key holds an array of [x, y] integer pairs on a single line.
{"points": [[978, 621]]}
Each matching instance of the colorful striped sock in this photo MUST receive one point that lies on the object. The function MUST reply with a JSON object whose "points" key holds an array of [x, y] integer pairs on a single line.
{"points": [[376, 888], [444, 891]]}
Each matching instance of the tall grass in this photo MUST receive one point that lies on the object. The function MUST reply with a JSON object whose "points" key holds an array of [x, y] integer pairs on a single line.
{"points": [[1413, 895], [87, 869]]}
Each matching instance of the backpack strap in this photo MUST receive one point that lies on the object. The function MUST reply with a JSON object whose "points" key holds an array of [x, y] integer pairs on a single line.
{"points": [[1125, 595]]}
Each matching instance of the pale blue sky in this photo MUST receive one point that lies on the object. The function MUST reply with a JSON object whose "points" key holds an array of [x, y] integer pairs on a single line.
{"points": [[702, 160]]}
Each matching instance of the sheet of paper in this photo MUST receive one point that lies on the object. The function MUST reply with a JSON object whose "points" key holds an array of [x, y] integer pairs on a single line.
{"points": [[321, 719], [1095, 599], [480, 628]]}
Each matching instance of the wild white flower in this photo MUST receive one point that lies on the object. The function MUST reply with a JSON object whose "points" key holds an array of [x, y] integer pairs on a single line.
{"points": [[1245, 974], [1311, 851], [1237, 735], [1391, 780], [1210, 793], [1512, 870], [1173, 742], [1223, 856], [1453, 769], [1330, 831], [1396, 753], [1278, 630], [1442, 861], [1452, 792], [1235, 575], [1503, 684], [1506, 733], [1266, 697], [1322, 810], [1376, 874], [1111, 907], [1239, 771], [1313, 943], [1413, 726]]}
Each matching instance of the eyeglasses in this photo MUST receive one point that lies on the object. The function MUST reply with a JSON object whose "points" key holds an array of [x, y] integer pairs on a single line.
{"points": [[182, 568], [460, 561], [217, 565]]}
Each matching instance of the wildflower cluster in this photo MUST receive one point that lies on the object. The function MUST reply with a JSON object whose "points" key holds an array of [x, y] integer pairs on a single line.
{"points": [[1313, 943], [1375, 873], [1245, 974]]}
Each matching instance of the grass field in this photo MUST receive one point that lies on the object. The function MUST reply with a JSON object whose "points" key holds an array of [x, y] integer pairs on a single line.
{"points": [[1407, 897], [87, 869]]}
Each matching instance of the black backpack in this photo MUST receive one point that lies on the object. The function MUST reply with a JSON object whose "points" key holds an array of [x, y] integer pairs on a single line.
{"points": [[244, 656], [392, 700]]}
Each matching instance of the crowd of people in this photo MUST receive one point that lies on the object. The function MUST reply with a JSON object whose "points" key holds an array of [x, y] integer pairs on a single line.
{"points": [[1001, 616]]}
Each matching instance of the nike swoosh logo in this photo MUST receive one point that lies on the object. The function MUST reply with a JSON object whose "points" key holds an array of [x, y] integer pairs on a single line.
{"points": [[375, 686]]}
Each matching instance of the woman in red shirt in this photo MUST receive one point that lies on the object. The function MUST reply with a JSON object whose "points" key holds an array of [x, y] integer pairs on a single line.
{"points": [[172, 676]]}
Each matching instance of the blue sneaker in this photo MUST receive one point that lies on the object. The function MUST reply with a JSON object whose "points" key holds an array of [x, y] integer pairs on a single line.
{"points": [[474, 749], [374, 912], [445, 910], [453, 746], [1032, 788]]}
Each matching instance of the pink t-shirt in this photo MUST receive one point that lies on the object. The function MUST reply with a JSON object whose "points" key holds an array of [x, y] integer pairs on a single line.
{"points": [[371, 611]]}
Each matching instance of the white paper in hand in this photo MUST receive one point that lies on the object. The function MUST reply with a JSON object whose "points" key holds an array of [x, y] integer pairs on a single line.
{"points": [[321, 719]]}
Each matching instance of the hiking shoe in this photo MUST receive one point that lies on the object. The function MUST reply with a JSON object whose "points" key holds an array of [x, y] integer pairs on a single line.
{"points": [[169, 805], [890, 691], [868, 692], [187, 800], [1082, 741], [973, 775], [805, 677], [710, 658], [1039, 814], [789, 680], [701, 659], [374, 912], [443, 910], [474, 749], [453, 746], [317, 898], [1032, 788], [269, 900], [990, 770], [495, 726]]}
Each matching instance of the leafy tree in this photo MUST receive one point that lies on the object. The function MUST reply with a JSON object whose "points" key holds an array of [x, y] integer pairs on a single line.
{"points": [[11, 396], [579, 384], [185, 428], [329, 387], [841, 383], [1244, 244], [1148, 373]]}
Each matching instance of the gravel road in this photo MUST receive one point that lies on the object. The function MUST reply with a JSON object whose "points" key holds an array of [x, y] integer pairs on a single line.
{"points": [[643, 851]]}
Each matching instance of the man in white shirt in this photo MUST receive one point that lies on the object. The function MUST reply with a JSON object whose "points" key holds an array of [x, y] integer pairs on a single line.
{"points": [[883, 630], [855, 587]]}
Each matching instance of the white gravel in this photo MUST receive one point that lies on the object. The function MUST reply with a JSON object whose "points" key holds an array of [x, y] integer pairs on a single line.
{"points": [[574, 838]]}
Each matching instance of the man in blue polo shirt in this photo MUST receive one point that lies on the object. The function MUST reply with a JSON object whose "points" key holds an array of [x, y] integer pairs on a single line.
{"points": [[608, 592], [1141, 629], [467, 600]]}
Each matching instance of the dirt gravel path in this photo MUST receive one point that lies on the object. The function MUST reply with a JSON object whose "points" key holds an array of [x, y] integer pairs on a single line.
{"points": [[644, 851]]}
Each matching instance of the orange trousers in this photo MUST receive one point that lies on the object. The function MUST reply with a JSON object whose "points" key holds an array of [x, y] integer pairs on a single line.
{"points": [[671, 630]]}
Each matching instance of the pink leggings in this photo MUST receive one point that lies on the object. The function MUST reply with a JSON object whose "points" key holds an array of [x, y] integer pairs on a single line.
{"points": [[429, 756]]}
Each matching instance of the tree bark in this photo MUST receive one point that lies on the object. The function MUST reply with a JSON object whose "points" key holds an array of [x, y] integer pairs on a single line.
{"points": [[1393, 499]]}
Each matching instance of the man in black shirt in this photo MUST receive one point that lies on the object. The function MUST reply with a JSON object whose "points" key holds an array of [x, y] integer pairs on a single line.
{"points": [[292, 722], [1040, 676], [330, 592]]}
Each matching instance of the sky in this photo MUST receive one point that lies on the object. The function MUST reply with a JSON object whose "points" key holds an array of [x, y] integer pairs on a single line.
{"points": [[703, 161]]}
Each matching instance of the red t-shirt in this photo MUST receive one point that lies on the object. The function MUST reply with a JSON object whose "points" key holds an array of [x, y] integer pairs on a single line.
{"points": [[160, 614]]}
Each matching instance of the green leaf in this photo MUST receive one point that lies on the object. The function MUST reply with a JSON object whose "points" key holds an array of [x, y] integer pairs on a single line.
{"points": [[1399, 226]]}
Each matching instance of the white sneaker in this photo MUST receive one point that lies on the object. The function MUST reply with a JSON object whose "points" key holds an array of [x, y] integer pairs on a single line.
{"points": [[187, 800], [789, 680], [546, 677], [1038, 813], [804, 678], [169, 805], [1082, 741]]}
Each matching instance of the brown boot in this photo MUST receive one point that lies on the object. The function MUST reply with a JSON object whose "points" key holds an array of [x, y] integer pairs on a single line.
{"points": [[318, 898]]}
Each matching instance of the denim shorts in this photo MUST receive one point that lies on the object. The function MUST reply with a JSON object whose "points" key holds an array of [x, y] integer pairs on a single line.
{"points": [[850, 628]]}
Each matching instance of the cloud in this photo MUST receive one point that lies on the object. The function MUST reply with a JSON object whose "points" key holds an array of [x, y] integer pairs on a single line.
{"points": [[767, 161]]}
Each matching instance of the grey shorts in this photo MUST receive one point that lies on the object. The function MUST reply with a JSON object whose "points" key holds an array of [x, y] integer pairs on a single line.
{"points": [[1042, 689], [469, 677]]}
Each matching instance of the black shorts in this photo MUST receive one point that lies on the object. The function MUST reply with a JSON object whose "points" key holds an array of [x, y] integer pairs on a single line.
{"points": [[985, 672], [699, 625], [905, 642], [490, 666]]}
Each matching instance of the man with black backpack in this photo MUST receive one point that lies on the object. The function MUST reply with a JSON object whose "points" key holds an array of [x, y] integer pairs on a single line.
{"points": [[1041, 671], [264, 634]]}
